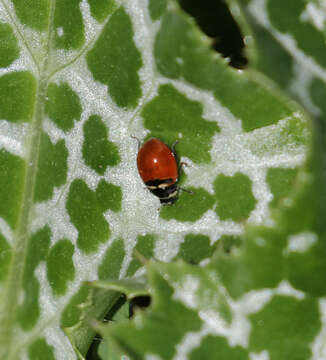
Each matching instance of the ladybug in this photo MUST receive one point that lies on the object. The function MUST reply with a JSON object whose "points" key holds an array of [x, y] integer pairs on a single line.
{"points": [[158, 168]]}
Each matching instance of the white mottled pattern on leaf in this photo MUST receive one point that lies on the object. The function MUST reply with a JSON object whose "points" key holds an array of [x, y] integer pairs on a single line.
{"points": [[258, 9], [232, 151]]}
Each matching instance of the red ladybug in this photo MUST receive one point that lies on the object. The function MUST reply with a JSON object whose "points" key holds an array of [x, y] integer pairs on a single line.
{"points": [[158, 168]]}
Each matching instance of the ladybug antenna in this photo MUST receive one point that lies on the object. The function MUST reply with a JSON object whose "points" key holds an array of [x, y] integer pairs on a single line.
{"points": [[174, 145], [136, 138], [186, 190]]}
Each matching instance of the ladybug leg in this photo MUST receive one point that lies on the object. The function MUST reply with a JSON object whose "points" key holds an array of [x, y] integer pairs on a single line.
{"points": [[173, 150], [183, 164], [136, 138]]}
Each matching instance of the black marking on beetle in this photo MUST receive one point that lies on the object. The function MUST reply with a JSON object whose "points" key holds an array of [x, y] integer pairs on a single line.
{"points": [[167, 194], [158, 182]]}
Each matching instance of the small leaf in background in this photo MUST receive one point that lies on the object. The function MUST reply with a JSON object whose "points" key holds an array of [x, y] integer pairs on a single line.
{"points": [[131, 288], [262, 249], [145, 337], [179, 291]]}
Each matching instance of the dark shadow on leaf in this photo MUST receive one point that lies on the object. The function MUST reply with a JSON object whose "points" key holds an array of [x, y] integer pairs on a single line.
{"points": [[215, 20]]}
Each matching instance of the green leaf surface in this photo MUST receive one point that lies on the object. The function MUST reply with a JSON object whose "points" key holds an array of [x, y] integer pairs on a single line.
{"points": [[18, 95], [274, 275], [144, 337], [78, 79], [10, 49], [69, 28], [218, 346], [60, 268], [39, 349], [98, 152], [182, 296], [115, 60], [62, 105], [100, 9], [33, 14], [285, 318], [196, 248]]}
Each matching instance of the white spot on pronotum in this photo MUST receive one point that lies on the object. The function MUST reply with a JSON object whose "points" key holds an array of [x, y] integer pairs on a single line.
{"points": [[60, 31], [301, 242], [164, 185]]}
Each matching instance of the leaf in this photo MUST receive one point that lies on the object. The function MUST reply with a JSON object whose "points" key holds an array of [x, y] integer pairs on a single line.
{"points": [[273, 281], [77, 80], [305, 249], [130, 287], [184, 297], [193, 316]]}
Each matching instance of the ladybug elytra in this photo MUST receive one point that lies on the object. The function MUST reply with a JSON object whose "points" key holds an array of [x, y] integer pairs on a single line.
{"points": [[158, 168]]}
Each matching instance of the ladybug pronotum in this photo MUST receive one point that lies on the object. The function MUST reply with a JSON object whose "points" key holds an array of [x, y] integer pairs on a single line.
{"points": [[158, 168]]}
